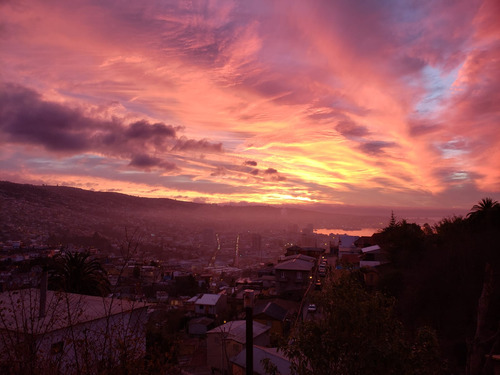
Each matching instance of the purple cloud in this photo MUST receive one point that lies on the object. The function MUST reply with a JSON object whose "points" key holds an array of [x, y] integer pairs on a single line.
{"points": [[376, 148], [350, 129], [421, 128], [28, 119], [219, 171], [203, 145], [144, 130], [146, 162], [270, 171]]}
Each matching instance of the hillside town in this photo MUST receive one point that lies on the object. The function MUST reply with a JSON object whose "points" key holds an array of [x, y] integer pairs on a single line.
{"points": [[204, 293], [207, 291], [173, 299]]}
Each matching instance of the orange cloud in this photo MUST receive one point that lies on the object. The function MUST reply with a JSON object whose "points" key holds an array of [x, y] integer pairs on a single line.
{"points": [[347, 101]]}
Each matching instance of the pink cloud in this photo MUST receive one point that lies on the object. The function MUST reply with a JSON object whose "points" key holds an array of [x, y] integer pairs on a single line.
{"points": [[472, 110], [353, 95]]}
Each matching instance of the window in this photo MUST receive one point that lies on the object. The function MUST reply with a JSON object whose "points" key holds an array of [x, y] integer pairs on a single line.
{"points": [[299, 275], [282, 275]]}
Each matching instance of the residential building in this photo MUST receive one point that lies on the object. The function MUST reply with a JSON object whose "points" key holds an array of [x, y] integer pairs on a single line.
{"points": [[200, 326], [70, 332], [211, 305], [311, 251], [260, 354], [347, 245], [372, 256], [228, 340], [294, 274], [272, 315]]}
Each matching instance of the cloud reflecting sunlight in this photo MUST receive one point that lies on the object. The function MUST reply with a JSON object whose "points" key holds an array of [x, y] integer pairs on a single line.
{"points": [[345, 102]]}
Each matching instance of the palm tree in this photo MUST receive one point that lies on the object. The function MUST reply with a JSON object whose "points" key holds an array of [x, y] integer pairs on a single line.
{"points": [[484, 211], [485, 204], [79, 273]]}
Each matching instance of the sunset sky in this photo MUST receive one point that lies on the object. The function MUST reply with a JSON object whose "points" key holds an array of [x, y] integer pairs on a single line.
{"points": [[364, 103]]}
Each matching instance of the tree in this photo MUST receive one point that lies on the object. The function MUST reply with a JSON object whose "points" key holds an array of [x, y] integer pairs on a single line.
{"points": [[92, 334], [78, 273], [163, 341], [356, 332], [484, 222], [485, 213], [443, 283], [484, 205], [392, 221], [402, 241], [70, 333]]}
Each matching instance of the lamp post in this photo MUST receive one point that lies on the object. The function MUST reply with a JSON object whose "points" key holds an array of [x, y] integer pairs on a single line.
{"points": [[248, 298]]}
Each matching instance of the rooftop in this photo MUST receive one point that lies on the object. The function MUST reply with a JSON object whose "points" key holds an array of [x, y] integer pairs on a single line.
{"points": [[295, 265], [259, 354], [370, 249], [208, 299], [270, 309], [299, 256], [20, 310], [236, 330]]}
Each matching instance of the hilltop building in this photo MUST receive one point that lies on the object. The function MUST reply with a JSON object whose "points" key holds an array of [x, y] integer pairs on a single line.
{"points": [[47, 330]]}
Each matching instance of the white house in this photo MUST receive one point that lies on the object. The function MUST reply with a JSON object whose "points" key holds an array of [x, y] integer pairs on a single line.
{"points": [[372, 256], [69, 332], [347, 245], [210, 304]]}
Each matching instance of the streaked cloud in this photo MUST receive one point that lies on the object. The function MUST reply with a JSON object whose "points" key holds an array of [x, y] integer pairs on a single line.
{"points": [[328, 102], [349, 129], [184, 144]]}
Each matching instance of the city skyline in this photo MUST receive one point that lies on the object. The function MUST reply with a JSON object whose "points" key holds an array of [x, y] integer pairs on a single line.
{"points": [[314, 103]]}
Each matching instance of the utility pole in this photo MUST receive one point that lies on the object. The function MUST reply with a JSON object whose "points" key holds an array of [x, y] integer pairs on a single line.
{"points": [[248, 298]]}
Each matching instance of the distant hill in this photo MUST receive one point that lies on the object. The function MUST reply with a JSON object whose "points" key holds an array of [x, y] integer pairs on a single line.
{"points": [[60, 208], [76, 198]]}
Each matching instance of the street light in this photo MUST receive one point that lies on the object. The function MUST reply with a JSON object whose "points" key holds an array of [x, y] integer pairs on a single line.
{"points": [[248, 300]]}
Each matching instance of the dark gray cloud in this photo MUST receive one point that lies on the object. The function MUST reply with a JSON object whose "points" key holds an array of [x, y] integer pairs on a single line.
{"points": [[28, 119], [25, 118], [350, 129], [255, 172], [250, 163], [273, 175], [143, 161], [144, 130], [219, 171], [202, 145], [270, 171], [376, 148]]}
